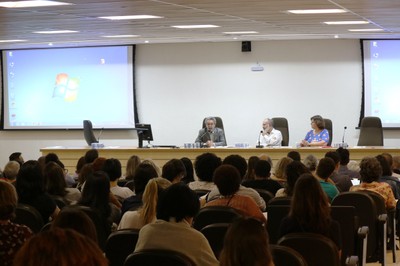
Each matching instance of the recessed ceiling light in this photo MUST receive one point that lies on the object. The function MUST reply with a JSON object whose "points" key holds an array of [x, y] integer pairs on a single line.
{"points": [[349, 22], [240, 32], [12, 40], [34, 3], [316, 11], [120, 36], [360, 30], [130, 17], [195, 26], [55, 31]]}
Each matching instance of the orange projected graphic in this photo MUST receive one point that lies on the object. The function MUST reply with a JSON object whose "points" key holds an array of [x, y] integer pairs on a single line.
{"points": [[66, 87]]}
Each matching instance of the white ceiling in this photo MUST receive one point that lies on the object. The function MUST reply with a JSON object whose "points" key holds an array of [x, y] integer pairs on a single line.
{"points": [[268, 17]]}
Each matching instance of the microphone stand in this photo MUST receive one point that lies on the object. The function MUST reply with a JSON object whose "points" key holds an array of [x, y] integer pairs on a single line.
{"points": [[344, 145], [202, 135], [259, 142]]}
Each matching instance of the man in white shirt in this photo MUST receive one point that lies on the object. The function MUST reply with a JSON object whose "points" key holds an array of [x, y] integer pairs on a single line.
{"points": [[269, 136]]}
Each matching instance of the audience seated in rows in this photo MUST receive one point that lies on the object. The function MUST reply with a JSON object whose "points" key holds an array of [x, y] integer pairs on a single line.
{"points": [[240, 164], [189, 174], [113, 169], [293, 171], [370, 172], [144, 172], [342, 181], [310, 211], [12, 236], [344, 161], [246, 243], [31, 190], [172, 230], [228, 180], [262, 180], [325, 169], [56, 186], [147, 213], [174, 170], [60, 247], [205, 165]]}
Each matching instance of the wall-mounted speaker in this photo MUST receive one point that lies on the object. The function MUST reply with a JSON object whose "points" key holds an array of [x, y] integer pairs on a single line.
{"points": [[246, 46]]}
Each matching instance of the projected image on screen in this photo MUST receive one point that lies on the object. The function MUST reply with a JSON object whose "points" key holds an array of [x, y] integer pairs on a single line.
{"points": [[59, 88], [382, 80]]}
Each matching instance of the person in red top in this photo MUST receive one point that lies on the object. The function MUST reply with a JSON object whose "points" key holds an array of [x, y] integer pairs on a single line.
{"points": [[227, 179]]}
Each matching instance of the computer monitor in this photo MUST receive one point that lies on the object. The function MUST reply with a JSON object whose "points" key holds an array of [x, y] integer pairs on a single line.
{"points": [[144, 133], [88, 132]]}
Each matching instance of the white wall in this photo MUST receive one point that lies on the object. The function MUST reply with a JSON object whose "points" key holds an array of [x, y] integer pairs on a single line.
{"points": [[179, 84]]}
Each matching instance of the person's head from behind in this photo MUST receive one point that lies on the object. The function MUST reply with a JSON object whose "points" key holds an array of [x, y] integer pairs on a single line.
{"points": [[30, 181], [389, 159], [280, 168], [178, 202], [16, 156], [11, 170], [294, 155], [61, 247], [174, 170], [98, 163], [238, 162], [91, 155], [113, 168], [325, 168], [386, 169], [189, 170], [75, 219], [227, 179], [251, 164], [335, 156], [370, 169], [205, 165], [86, 170], [344, 155], [210, 123], [246, 243], [8, 201], [131, 166], [144, 172], [317, 122], [311, 162], [51, 157], [54, 179], [79, 164], [154, 188], [96, 192], [310, 204], [293, 171], [267, 158], [262, 169]]}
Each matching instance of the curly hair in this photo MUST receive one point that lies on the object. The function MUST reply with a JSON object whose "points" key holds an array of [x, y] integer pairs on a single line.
{"points": [[370, 169]]}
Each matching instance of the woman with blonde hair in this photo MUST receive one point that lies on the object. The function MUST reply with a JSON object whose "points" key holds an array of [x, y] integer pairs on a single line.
{"points": [[147, 213], [131, 166], [280, 170]]}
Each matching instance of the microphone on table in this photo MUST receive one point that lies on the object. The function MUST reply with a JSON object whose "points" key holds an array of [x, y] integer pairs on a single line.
{"points": [[259, 142], [344, 145]]}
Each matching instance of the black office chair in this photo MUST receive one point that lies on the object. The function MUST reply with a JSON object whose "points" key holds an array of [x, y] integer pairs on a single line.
{"points": [[316, 249], [286, 256], [215, 234], [214, 214], [152, 257], [29, 216], [371, 132], [281, 124], [280, 201], [265, 194], [119, 245], [276, 213], [368, 215], [329, 127]]}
